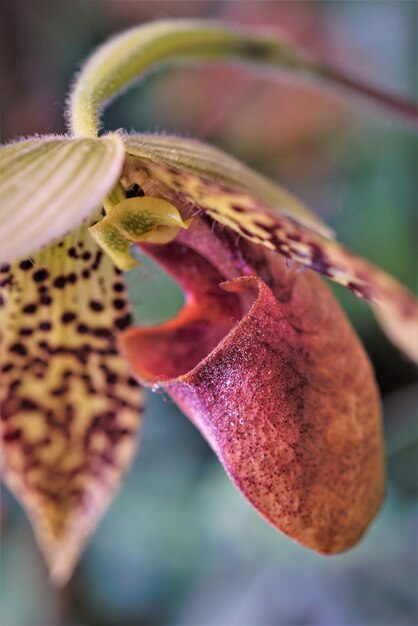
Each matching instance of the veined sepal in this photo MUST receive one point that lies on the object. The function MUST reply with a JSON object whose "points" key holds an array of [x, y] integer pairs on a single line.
{"points": [[49, 185]]}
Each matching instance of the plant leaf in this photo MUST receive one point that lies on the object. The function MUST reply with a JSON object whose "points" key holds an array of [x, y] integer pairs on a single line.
{"points": [[49, 185], [69, 409], [253, 218]]}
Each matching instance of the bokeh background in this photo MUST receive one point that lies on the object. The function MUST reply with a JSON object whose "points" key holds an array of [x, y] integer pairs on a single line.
{"points": [[179, 546]]}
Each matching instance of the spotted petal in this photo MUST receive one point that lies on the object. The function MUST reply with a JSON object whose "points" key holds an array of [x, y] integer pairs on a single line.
{"points": [[49, 185], [275, 221], [203, 160], [69, 409]]}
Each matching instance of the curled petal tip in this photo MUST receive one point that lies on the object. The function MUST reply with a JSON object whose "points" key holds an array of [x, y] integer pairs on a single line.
{"points": [[61, 559]]}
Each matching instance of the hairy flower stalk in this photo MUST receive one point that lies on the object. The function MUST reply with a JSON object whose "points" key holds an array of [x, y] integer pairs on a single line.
{"points": [[261, 358]]}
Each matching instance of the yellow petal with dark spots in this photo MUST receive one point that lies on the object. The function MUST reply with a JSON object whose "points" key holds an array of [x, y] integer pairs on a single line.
{"points": [[203, 160], [70, 410], [250, 216]]}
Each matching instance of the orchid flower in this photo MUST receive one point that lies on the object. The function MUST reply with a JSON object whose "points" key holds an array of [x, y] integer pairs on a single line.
{"points": [[261, 357]]}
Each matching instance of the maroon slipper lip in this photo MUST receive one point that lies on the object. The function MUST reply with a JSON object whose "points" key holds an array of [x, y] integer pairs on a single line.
{"points": [[131, 334], [293, 414]]}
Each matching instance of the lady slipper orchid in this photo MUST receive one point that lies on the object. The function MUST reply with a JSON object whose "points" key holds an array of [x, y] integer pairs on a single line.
{"points": [[261, 357]]}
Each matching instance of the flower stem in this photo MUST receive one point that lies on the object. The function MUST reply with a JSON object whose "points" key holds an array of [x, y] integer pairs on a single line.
{"points": [[132, 54], [396, 105]]}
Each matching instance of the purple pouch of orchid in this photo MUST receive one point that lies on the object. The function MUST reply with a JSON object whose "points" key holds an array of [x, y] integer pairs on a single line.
{"points": [[263, 361]]}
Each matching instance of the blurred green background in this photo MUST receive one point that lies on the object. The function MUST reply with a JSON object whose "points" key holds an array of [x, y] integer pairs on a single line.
{"points": [[179, 545]]}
